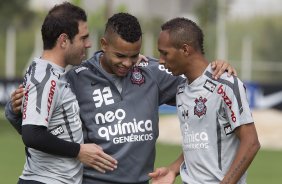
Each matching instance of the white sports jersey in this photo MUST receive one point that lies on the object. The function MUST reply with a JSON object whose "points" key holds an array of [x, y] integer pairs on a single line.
{"points": [[209, 111], [49, 102]]}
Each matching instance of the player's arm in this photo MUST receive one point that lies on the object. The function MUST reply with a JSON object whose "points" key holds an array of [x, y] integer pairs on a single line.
{"points": [[245, 130], [249, 146], [39, 138], [89, 154], [167, 174], [13, 109]]}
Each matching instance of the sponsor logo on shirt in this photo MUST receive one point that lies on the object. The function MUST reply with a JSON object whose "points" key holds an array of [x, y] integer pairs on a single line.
{"points": [[227, 128], [209, 85], [227, 101], [57, 131], [80, 69], [200, 107], [50, 97], [195, 140], [117, 131], [143, 63], [25, 101], [137, 77], [162, 68]]}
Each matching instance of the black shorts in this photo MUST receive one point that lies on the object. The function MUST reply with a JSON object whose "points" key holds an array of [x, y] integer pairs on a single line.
{"points": [[21, 181]]}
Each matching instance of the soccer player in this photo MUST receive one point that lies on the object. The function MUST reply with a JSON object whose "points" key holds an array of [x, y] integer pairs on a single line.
{"points": [[219, 136], [119, 102], [51, 126]]}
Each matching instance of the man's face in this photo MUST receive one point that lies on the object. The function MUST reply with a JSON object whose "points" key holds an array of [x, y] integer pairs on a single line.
{"points": [[76, 51], [170, 56], [119, 55]]}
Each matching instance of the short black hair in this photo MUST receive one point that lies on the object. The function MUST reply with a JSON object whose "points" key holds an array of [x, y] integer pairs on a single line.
{"points": [[125, 25], [62, 18], [184, 31]]}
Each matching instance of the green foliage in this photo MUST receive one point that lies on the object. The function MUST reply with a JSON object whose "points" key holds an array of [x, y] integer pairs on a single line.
{"points": [[206, 12], [15, 12], [271, 39], [12, 155], [2, 51], [264, 33]]}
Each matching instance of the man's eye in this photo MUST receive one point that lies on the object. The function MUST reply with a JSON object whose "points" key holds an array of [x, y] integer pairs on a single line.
{"points": [[120, 56], [134, 57]]}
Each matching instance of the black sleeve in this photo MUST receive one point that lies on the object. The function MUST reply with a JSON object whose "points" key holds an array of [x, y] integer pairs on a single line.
{"points": [[39, 138], [13, 118]]}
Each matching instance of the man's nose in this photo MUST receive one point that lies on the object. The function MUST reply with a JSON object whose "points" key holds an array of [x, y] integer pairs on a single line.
{"points": [[127, 62], [161, 61], [88, 44]]}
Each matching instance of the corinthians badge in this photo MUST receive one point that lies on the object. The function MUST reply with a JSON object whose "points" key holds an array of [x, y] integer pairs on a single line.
{"points": [[200, 107], [137, 76]]}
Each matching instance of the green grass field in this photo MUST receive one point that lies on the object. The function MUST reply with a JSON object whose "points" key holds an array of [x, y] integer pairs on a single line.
{"points": [[265, 169]]}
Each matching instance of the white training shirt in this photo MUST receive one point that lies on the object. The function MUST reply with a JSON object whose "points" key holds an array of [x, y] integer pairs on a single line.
{"points": [[209, 111], [49, 102]]}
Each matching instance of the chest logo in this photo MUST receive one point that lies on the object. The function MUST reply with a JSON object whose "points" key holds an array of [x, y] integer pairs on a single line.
{"points": [[200, 107], [137, 76]]}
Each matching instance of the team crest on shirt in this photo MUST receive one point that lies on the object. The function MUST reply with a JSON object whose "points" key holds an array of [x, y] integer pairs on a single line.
{"points": [[200, 107], [137, 76]]}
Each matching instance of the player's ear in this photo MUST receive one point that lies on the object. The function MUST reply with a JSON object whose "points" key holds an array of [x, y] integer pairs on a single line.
{"points": [[186, 49], [103, 43], [63, 40]]}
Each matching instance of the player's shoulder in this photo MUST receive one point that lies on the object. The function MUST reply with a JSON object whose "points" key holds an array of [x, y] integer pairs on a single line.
{"points": [[84, 66], [80, 68], [152, 65], [224, 78], [152, 62], [41, 70]]}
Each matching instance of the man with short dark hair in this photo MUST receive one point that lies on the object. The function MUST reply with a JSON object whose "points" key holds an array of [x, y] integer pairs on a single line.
{"points": [[219, 136], [51, 126], [119, 102]]}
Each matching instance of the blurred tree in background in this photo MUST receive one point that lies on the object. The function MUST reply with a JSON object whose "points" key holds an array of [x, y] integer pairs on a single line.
{"points": [[264, 31], [271, 41], [15, 13]]}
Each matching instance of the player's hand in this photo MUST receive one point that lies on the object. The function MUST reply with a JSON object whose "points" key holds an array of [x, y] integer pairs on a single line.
{"points": [[141, 58], [16, 99], [162, 175], [93, 155], [219, 67]]}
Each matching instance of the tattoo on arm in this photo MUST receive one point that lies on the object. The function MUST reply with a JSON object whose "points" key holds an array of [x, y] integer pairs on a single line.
{"points": [[235, 171]]}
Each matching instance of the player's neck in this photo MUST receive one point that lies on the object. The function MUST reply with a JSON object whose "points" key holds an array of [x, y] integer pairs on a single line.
{"points": [[196, 69], [54, 57]]}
